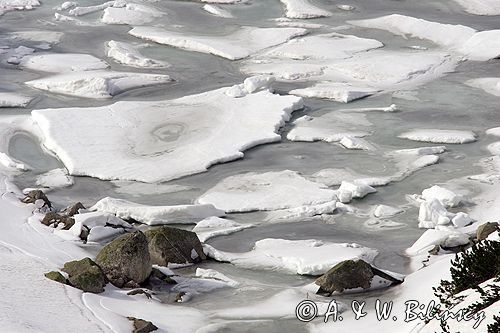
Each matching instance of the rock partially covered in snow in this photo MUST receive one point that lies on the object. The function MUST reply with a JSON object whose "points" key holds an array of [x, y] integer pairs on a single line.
{"points": [[266, 191], [188, 134], [309, 257], [126, 261], [100, 219], [440, 136], [442, 236], [446, 197], [175, 246], [461, 220], [352, 275], [154, 215]]}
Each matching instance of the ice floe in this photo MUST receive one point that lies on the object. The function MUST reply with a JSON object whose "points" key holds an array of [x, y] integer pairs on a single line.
{"points": [[489, 84], [322, 211], [188, 134], [237, 45], [128, 54], [384, 211], [154, 215], [13, 100], [54, 179], [9, 5], [138, 189], [307, 257], [440, 136], [97, 84], [480, 46], [266, 191], [303, 9], [446, 197], [131, 13], [217, 11], [216, 226], [63, 62], [331, 127], [481, 7]]}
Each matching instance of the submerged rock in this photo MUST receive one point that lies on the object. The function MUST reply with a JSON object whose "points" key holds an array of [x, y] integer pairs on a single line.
{"points": [[86, 275], [56, 276], [34, 195], [126, 261], [54, 219], [172, 245], [142, 326], [484, 230], [351, 274]]}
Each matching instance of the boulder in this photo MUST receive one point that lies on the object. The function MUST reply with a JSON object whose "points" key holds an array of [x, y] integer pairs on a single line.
{"points": [[126, 261], [85, 275], [35, 195], [484, 230], [142, 326], [351, 274], [172, 245], [56, 276], [73, 209], [53, 219]]}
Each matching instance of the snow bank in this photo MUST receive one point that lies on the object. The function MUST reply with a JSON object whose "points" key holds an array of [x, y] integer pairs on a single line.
{"points": [[237, 45], [215, 226], [266, 191], [303, 9], [307, 257], [127, 54], [188, 134], [13, 100], [97, 84], [479, 46], [440, 136], [154, 215]]}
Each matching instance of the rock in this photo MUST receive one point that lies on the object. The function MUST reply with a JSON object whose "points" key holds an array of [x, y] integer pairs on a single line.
{"points": [[484, 230], [142, 326], [179, 296], [56, 276], [140, 292], [126, 260], [85, 275], [172, 245], [156, 273], [350, 274], [54, 219], [73, 209], [34, 195], [435, 250]]}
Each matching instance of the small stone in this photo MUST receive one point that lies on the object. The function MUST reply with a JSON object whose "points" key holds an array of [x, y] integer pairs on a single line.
{"points": [[142, 326], [73, 209], [56, 276], [140, 292], [34, 195]]}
